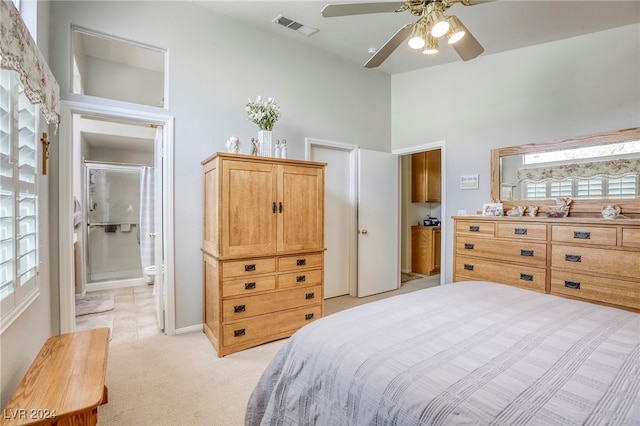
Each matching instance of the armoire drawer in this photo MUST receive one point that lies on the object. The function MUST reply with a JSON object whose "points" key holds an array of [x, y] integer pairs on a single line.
{"points": [[464, 227], [525, 231], [526, 252], [300, 278], [598, 260], [584, 286], [584, 234], [269, 326], [532, 278], [301, 261], [248, 285], [243, 307], [240, 268]]}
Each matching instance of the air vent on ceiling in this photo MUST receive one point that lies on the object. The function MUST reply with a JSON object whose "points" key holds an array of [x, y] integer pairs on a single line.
{"points": [[296, 26]]}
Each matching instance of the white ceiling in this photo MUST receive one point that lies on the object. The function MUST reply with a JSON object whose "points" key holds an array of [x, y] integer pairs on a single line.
{"points": [[499, 26]]}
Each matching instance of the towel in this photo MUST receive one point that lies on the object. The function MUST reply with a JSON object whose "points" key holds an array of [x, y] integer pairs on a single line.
{"points": [[77, 213], [125, 227]]}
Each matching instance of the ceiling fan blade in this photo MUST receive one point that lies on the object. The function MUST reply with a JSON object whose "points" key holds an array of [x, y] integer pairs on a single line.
{"points": [[391, 45], [331, 10], [468, 47]]}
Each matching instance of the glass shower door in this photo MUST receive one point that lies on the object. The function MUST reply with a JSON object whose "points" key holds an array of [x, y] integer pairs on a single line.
{"points": [[113, 205]]}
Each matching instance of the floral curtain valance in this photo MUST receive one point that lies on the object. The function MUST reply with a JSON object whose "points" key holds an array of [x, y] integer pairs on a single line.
{"points": [[613, 168], [18, 52]]}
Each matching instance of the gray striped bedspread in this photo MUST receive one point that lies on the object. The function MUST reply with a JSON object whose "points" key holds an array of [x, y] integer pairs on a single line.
{"points": [[469, 353]]}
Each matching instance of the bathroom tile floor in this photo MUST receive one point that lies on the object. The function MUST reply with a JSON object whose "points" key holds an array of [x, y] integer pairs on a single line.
{"points": [[134, 314]]}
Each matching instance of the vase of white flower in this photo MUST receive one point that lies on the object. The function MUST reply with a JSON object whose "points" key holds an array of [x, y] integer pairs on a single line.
{"points": [[264, 114]]}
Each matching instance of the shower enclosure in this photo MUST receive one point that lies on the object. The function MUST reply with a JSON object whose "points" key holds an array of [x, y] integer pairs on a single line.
{"points": [[113, 222]]}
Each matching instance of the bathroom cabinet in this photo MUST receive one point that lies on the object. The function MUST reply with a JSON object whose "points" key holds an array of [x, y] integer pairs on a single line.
{"points": [[425, 249], [426, 177], [263, 248]]}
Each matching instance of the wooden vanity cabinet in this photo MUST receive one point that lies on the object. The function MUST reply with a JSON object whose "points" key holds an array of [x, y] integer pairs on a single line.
{"points": [[263, 248], [426, 177], [425, 249]]}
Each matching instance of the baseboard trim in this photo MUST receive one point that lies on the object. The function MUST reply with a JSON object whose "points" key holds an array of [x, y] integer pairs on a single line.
{"points": [[110, 285], [190, 329]]}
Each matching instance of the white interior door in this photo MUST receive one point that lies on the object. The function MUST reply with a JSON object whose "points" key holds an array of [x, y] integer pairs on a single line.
{"points": [[378, 222], [339, 211], [159, 290]]}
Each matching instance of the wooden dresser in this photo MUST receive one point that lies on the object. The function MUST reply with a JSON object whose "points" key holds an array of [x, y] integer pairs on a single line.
{"points": [[590, 259], [263, 248]]}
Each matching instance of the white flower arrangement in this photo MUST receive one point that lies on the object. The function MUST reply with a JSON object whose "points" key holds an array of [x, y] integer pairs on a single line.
{"points": [[263, 113]]}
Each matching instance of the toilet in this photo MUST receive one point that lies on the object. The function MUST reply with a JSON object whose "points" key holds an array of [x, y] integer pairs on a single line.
{"points": [[150, 274]]}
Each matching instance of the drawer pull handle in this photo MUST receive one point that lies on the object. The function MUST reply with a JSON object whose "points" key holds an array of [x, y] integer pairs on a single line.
{"points": [[249, 268], [468, 267], [526, 277], [573, 258], [520, 231], [528, 253], [582, 235], [468, 246], [572, 284], [301, 278], [238, 333], [249, 286], [308, 317], [301, 262], [309, 296], [474, 229], [239, 308]]}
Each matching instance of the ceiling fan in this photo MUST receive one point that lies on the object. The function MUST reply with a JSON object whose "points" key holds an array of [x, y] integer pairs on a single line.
{"points": [[431, 25]]}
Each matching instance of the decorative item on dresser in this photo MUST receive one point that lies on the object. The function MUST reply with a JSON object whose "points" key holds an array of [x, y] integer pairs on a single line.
{"points": [[263, 248], [592, 259]]}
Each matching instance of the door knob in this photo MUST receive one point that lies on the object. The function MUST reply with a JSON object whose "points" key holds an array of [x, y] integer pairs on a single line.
{"points": [[363, 231]]}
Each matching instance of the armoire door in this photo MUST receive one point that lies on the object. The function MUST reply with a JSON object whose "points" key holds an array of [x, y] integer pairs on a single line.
{"points": [[248, 208], [300, 208]]}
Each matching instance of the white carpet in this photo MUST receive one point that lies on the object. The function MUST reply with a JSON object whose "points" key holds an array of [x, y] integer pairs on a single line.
{"points": [[93, 304]]}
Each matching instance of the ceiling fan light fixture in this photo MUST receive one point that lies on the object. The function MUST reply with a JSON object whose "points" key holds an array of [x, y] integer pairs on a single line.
{"points": [[432, 45], [456, 32], [440, 24], [417, 40]]}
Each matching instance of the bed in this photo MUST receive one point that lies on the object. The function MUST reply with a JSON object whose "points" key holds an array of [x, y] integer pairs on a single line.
{"points": [[469, 353]]}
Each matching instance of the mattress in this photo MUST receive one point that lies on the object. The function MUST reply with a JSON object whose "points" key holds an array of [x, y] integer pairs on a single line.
{"points": [[469, 353]]}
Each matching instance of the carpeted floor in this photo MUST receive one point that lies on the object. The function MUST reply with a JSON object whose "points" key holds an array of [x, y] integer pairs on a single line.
{"points": [[179, 380]]}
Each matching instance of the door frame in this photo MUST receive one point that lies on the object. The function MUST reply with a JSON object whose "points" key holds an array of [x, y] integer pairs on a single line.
{"points": [[443, 204], [65, 208], [352, 224]]}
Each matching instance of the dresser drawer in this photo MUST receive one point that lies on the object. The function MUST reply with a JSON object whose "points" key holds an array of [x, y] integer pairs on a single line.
{"points": [[248, 285], [482, 270], [602, 261], [269, 326], [239, 268], [527, 231], [584, 234], [614, 291], [631, 237], [464, 227], [300, 278], [530, 253], [243, 307], [302, 261]]}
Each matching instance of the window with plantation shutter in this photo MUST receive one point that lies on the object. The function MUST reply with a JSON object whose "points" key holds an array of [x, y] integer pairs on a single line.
{"points": [[18, 197]]}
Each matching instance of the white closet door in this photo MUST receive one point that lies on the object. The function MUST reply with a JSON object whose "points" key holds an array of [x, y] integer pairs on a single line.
{"points": [[378, 222]]}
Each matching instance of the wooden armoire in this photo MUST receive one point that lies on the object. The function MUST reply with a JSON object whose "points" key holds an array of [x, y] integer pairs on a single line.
{"points": [[263, 248]]}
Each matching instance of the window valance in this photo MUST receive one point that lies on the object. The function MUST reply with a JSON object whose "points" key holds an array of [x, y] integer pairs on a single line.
{"points": [[18, 52], [611, 168]]}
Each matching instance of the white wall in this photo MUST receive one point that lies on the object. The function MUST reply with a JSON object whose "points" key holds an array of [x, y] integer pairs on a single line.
{"points": [[567, 88], [215, 65]]}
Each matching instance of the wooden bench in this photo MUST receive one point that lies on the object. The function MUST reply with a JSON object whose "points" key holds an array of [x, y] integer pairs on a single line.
{"points": [[65, 383]]}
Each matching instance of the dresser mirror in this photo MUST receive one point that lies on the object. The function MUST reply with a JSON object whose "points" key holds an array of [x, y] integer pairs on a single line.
{"points": [[593, 170]]}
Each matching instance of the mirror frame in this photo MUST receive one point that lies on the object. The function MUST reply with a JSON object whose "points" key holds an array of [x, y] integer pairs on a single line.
{"points": [[630, 208]]}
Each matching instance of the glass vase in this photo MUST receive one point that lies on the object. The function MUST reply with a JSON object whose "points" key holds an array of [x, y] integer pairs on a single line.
{"points": [[266, 144]]}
